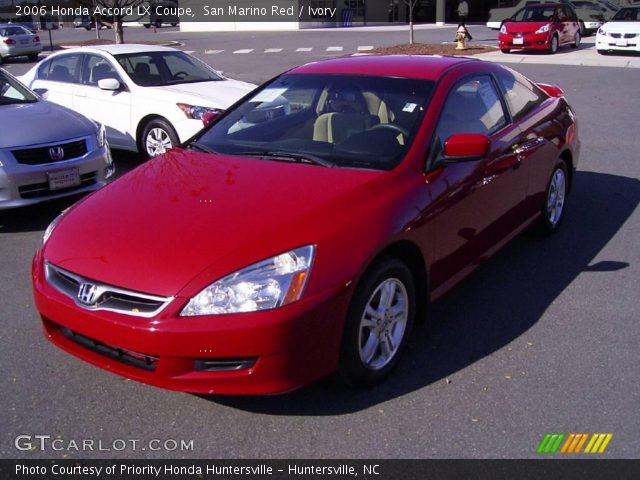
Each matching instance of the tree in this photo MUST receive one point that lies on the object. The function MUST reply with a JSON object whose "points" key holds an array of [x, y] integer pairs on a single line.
{"points": [[119, 7], [411, 4]]}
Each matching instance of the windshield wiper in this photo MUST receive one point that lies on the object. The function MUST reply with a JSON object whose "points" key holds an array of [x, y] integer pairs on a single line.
{"points": [[290, 157], [202, 148]]}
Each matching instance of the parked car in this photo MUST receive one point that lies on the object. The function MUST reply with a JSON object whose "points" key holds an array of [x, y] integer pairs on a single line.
{"points": [[545, 26], [589, 18], [89, 23], [622, 33], [17, 41], [46, 151], [257, 259], [150, 98]]}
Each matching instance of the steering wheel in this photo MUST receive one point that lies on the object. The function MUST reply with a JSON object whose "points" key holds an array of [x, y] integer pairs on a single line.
{"points": [[180, 73], [391, 126]]}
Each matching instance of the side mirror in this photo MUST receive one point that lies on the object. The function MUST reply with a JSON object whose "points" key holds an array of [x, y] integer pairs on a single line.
{"points": [[209, 117], [469, 146], [42, 92], [109, 84]]}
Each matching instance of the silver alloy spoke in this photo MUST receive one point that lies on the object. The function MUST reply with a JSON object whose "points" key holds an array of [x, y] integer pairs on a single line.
{"points": [[370, 348], [555, 201], [383, 324]]}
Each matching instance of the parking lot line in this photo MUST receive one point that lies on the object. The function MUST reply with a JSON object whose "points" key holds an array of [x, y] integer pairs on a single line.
{"points": [[365, 48], [334, 49], [273, 50], [304, 49], [212, 52], [244, 50]]}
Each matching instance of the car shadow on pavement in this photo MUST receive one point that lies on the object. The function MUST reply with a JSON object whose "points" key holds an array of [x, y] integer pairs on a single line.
{"points": [[489, 310]]}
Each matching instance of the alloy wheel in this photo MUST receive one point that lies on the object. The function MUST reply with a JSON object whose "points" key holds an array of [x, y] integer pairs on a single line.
{"points": [[556, 195], [157, 142], [383, 324]]}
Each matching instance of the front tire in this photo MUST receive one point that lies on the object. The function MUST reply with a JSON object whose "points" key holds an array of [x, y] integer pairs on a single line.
{"points": [[33, 57], [505, 50], [555, 198], [378, 323], [158, 137]]}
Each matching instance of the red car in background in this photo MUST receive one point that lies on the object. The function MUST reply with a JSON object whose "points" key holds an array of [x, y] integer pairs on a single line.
{"points": [[545, 26], [305, 229]]}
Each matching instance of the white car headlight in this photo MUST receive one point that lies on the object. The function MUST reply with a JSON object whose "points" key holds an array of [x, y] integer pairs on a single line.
{"points": [[195, 112], [503, 29], [543, 29], [602, 32], [101, 136], [265, 285]]}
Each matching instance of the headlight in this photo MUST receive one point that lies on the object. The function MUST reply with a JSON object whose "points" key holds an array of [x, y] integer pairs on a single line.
{"points": [[52, 226], [102, 136], [543, 29], [195, 112], [503, 29], [602, 32], [268, 284]]}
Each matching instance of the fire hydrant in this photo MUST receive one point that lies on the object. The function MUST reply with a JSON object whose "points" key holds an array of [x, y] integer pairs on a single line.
{"points": [[461, 37]]}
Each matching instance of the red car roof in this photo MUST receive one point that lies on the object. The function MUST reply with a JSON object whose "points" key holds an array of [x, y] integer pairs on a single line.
{"points": [[426, 67]]}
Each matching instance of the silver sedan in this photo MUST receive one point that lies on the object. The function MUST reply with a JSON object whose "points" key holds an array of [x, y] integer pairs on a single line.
{"points": [[17, 41], [46, 151]]}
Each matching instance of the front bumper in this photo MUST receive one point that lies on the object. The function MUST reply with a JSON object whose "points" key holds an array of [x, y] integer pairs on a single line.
{"points": [[254, 353], [530, 41], [609, 43], [22, 185]]}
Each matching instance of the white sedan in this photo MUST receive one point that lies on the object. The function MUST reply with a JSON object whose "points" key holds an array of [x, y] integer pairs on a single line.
{"points": [[621, 33], [149, 98]]}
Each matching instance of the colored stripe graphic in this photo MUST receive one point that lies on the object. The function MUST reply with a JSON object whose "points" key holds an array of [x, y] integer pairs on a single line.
{"points": [[572, 443], [598, 442], [550, 443]]}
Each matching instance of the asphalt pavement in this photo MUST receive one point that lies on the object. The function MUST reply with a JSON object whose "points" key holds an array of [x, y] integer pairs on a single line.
{"points": [[544, 337]]}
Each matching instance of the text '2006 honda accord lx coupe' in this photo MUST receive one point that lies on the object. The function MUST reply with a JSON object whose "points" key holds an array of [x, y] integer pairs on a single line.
{"points": [[303, 231]]}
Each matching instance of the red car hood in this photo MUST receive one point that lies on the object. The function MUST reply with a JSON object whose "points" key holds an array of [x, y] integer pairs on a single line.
{"points": [[524, 27], [163, 223]]}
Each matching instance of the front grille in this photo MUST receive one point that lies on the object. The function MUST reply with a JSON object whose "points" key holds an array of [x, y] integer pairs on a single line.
{"points": [[128, 357], [40, 155], [623, 35], [224, 364], [35, 190], [104, 297]]}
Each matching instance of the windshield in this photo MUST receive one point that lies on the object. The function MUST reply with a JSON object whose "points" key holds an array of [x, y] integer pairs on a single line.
{"points": [[157, 69], [12, 92], [627, 15], [338, 120], [534, 14]]}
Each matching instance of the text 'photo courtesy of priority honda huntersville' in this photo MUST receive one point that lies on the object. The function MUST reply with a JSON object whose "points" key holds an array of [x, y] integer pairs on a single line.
{"points": [[304, 230]]}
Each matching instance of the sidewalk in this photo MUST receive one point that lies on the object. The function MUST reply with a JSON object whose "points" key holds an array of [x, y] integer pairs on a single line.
{"points": [[586, 56]]}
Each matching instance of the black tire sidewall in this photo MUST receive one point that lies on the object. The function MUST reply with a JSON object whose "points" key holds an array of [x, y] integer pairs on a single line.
{"points": [[351, 368], [557, 43], [157, 123]]}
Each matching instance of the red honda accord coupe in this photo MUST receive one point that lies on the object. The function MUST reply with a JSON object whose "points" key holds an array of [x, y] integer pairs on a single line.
{"points": [[304, 230]]}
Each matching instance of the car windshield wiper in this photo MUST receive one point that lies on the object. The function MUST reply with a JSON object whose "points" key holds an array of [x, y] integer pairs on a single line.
{"points": [[202, 148], [290, 157]]}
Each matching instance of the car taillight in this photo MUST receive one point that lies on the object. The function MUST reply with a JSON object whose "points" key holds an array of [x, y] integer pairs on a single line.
{"points": [[36, 39], [9, 41]]}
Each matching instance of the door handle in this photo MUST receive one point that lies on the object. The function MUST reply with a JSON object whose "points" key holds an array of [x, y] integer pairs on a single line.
{"points": [[521, 150]]}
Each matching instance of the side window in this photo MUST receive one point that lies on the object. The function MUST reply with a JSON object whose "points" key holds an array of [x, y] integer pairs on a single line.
{"points": [[473, 106], [97, 68], [65, 68], [520, 94], [142, 69], [43, 70]]}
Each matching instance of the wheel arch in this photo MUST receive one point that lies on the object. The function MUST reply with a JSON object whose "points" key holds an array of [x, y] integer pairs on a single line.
{"points": [[410, 254]]}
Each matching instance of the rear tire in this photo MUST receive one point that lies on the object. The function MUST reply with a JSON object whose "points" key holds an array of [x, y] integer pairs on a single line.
{"points": [[583, 30], [576, 40], [158, 137], [380, 317], [505, 50], [555, 43], [33, 57], [555, 198]]}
